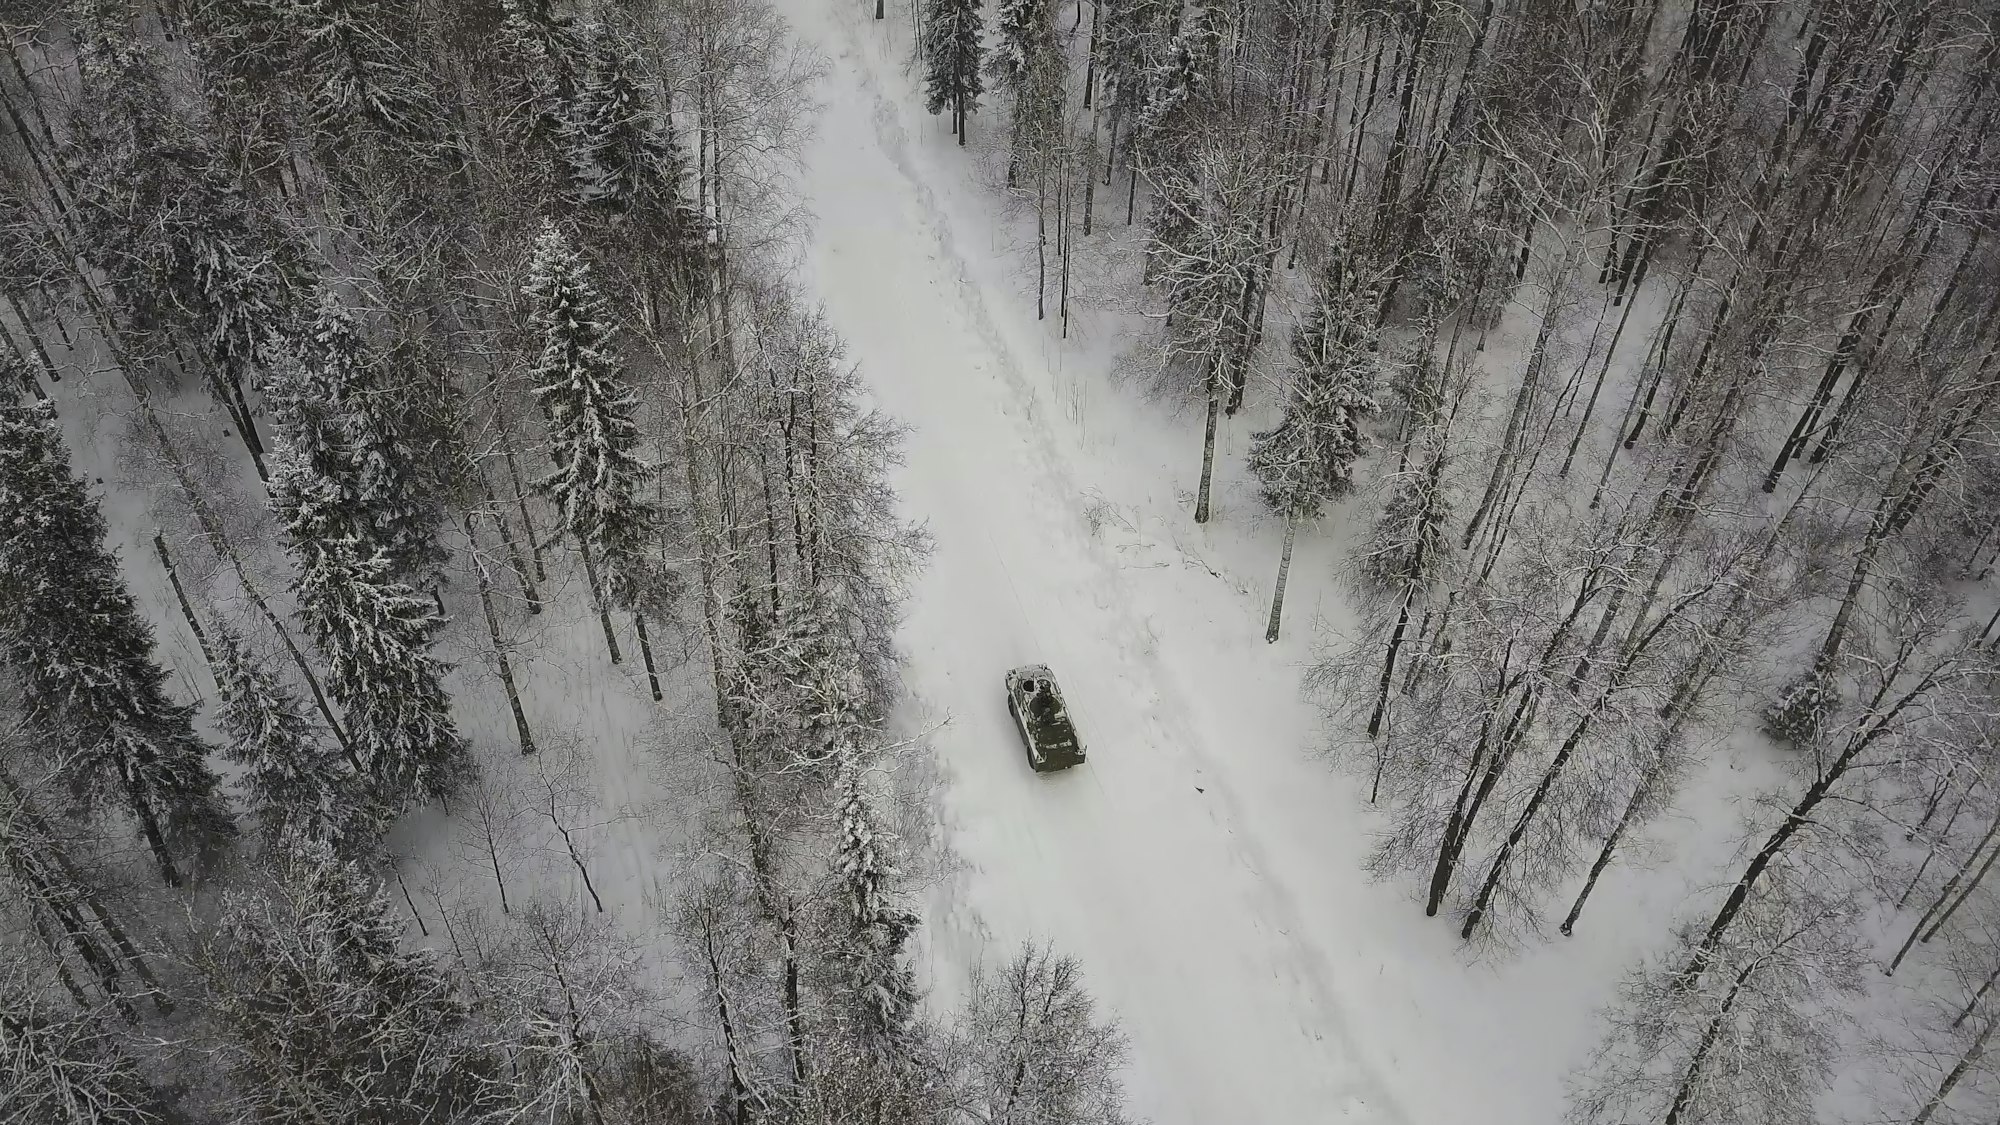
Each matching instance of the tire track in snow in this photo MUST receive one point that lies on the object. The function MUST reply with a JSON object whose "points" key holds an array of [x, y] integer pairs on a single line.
{"points": [[1159, 717]]}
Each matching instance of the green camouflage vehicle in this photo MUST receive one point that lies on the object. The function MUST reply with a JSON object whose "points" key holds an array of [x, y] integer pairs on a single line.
{"points": [[1037, 706]]}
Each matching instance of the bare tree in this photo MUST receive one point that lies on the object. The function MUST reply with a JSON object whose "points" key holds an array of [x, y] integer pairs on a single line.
{"points": [[1033, 1048]]}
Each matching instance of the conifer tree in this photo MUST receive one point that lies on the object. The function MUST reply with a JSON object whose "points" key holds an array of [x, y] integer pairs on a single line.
{"points": [[597, 484], [617, 145], [360, 80], [298, 783], [952, 60], [877, 930], [188, 262], [1025, 60], [545, 63], [375, 634], [324, 1017], [360, 446], [1307, 459], [85, 654]]}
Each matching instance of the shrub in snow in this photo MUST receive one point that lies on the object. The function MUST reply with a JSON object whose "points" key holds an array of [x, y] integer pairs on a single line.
{"points": [[1799, 714]]}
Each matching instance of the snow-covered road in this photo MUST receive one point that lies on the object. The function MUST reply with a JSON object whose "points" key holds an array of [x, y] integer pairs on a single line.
{"points": [[1135, 864], [1203, 866]]}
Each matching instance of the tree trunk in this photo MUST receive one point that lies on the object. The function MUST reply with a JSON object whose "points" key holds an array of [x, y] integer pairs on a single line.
{"points": [[1944, 895], [1714, 1031], [1208, 443], [1590, 404], [739, 1091], [1971, 885], [515, 562], [575, 857], [521, 505], [248, 424], [1965, 1063], [646, 654], [1284, 569], [597, 599], [1972, 1005], [522, 734], [1503, 461], [180, 595], [1041, 244], [1801, 815]]}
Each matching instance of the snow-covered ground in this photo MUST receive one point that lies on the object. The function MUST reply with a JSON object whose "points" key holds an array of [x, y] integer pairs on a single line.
{"points": [[1206, 865]]}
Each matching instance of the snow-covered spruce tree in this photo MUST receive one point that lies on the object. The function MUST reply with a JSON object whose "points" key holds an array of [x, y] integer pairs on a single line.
{"points": [[1410, 547], [617, 145], [952, 60], [190, 265], [359, 81], [1179, 94], [375, 634], [874, 929], [322, 1016], [545, 58], [598, 481], [1033, 1049], [85, 654], [1133, 34], [1307, 459], [297, 780], [60, 1064], [340, 406], [1027, 63]]}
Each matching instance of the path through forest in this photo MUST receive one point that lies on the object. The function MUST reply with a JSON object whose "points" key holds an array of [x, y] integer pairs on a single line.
{"points": [[1195, 865]]}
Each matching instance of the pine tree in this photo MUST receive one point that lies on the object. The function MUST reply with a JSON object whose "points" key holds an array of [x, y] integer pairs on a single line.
{"points": [[379, 479], [375, 634], [1178, 91], [546, 58], [351, 474], [952, 60], [71, 628], [1026, 29], [598, 481], [1028, 64], [360, 80], [1308, 458], [185, 256], [298, 783], [324, 1017], [619, 148], [877, 930]]}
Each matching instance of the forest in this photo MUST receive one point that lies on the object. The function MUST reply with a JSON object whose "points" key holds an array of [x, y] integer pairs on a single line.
{"points": [[455, 588]]}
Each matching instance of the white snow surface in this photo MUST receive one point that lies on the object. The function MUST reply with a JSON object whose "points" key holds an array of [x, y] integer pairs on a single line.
{"points": [[1205, 866]]}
